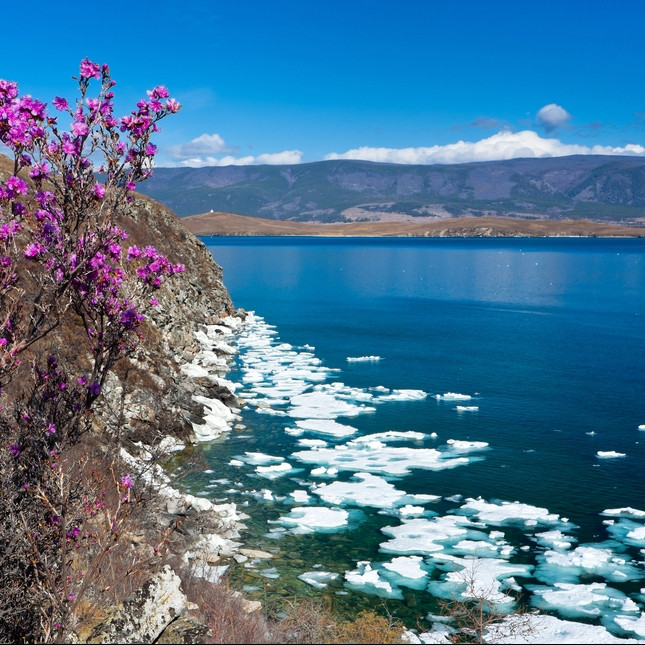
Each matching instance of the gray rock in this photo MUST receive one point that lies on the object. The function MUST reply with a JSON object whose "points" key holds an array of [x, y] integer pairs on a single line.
{"points": [[145, 614]]}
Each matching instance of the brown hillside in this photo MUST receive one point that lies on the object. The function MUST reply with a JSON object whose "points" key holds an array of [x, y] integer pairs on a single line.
{"points": [[219, 223]]}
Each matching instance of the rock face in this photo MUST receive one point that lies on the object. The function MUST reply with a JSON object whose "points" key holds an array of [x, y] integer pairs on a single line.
{"points": [[148, 614], [156, 397]]}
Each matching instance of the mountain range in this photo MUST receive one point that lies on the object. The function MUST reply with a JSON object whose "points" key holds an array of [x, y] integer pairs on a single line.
{"points": [[600, 188]]}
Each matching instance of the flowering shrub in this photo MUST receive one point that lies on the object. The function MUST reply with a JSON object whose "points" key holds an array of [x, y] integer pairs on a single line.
{"points": [[62, 259]]}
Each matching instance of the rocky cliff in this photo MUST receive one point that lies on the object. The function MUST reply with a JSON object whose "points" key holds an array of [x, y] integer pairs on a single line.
{"points": [[168, 395]]}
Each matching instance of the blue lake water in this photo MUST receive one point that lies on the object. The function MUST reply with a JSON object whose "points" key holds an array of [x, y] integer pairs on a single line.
{"points": [[547, 337]]}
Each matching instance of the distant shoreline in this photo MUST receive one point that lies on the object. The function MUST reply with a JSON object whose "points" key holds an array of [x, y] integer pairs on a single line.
{"points": [[229, 224]]}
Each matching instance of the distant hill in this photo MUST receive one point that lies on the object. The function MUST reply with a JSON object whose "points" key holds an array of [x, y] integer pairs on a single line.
{"points": [[595, 187], [217, 223]]}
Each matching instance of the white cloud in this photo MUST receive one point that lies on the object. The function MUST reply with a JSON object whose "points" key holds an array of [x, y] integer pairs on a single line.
{"points": [[503, 145], [552, 117], [275, 158], [207, 150], [204, 144]]}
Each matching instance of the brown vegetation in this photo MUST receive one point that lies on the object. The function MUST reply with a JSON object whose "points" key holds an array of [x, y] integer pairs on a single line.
{"points": [[230, 224]]}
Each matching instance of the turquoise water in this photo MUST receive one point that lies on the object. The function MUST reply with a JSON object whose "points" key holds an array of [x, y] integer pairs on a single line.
{"points": [[546, 336]]}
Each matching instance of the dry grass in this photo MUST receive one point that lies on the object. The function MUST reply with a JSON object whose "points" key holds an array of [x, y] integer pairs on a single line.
{"points": [[231, 224]]}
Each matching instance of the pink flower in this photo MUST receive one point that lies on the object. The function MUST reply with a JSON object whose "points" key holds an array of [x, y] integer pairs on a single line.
{"points": [[32, 251], [90, 69], [60, 103], [126, 481], [80, 128], [99, 191], [172, 106]]}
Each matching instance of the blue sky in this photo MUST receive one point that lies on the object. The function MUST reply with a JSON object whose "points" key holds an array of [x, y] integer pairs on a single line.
{"points": [[405, 81]]}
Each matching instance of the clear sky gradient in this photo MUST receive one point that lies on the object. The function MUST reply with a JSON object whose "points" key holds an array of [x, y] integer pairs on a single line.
{"points": [[404, 81]]}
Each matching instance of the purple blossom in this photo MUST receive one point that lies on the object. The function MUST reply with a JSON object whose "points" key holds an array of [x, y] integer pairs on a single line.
{"points": [[94, 389], [33, 250], [90, 69], [60, 104], [14, 449], [126, 481]]}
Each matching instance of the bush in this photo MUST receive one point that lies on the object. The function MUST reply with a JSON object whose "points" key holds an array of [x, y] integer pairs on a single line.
{"points": [[63, 267]]}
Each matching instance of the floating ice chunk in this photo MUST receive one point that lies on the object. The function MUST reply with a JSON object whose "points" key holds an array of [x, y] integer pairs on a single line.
{"points": [[260, 459], [312, 443], [407, 566], [555, 539], [467, 408], [318, 579], [477, 578], [628, 531], [356, 359], [307, 519], [635, 624], [366, 579], [276, 470], [453, 396], [390, 436], [235, 462], [578, 600], [408, 509], [327, 427], [509, 513], [320, 405], [321, 471], [426, 536], [609, 454], [376, 457], [638, 534], [466, 446], [402, 395], [481, 549], [642, 426], [627, 511], [541, 629], [567, 566], [300, 496], [367, 490]]}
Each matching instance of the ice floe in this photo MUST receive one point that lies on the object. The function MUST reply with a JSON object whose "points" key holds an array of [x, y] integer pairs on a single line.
{"points": [[609, 454], [627, 511], [326, 427], [581, 600], [322, 405], [569, 566], [260, 459], [544, 630], [471, 577], [367, 490], [276, 470], [307, 519], [423, 536], [376, 457], [510, 513], [366, 579], [356, 359], [453, 396], [318, 579]]}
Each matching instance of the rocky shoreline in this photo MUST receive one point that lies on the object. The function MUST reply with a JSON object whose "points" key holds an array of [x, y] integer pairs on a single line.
{"points": [[159, 404]]}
